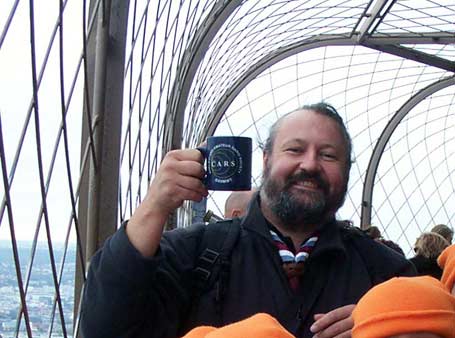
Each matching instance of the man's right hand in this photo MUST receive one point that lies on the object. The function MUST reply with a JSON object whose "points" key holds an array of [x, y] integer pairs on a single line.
{"points": [[179, 178]]}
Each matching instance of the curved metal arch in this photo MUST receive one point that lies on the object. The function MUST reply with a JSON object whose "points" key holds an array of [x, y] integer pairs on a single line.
{"points": [[263, 64], [301, 46], [323, 41], [367, 194], [175, 111]]}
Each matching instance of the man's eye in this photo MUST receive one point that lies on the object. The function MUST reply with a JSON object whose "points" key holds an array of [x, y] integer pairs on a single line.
{"points": [[329, 156], [294, 150]]}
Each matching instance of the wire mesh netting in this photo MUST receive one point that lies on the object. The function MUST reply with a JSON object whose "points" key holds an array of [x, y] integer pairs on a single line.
{"points": [[94, 93], [362, 94], [41, 67]]}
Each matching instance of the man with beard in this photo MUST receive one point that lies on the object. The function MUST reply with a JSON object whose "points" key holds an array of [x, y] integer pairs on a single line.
{"points": [[291, 259]]}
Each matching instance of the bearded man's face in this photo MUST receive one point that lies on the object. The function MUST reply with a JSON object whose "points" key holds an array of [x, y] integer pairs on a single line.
{"points": [[305, 176]]}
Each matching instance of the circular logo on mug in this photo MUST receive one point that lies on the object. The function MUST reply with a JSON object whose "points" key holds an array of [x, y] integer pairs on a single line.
{"points": [[225, 161]]}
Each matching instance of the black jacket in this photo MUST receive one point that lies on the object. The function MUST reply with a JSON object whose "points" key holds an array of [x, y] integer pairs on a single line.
{"points": [[127, 295], [427, 266]]}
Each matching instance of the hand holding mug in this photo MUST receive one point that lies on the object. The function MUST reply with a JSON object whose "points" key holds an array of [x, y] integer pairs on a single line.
{"points": [[179, 178]]}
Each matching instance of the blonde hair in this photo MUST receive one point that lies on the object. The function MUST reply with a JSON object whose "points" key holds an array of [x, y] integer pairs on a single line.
{"points": [[430, 244]]}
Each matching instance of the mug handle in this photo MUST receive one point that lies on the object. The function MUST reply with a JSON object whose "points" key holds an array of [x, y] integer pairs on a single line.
{"points": [[204, 151]]}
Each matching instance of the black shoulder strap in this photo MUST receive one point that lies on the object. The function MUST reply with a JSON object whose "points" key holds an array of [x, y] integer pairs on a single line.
{"points": [[215, 250]]}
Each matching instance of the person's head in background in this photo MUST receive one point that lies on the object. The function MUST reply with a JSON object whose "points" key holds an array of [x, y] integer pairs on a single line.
{"points": [[444, 231], [237, 203], [373, 232], [405, 307], [430, 245]]}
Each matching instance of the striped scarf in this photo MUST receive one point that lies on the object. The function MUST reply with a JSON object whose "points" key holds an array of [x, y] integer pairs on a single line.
{"points": [[293, 263]]}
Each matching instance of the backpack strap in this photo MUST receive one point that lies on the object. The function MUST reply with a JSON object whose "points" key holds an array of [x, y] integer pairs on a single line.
{"points": [[215, 250], [209, 276]]}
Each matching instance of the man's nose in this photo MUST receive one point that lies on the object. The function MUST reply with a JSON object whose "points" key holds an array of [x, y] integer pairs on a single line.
{"points": [[309, 162]]}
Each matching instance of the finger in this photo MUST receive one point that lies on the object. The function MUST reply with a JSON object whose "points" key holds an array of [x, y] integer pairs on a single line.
{"points": [[339, 329], [169, 184], [185, 155], [202, 144], [347, 334], [190, 168], [172, 196], [192, 195], [332, 317], [187, 174], [193, 184], [318, 316], [169, 189], [172, 167]]}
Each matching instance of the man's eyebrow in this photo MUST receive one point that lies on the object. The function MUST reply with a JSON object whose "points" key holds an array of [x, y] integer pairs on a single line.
{"points": [[294, 141], [331, 145], [300, 142]]}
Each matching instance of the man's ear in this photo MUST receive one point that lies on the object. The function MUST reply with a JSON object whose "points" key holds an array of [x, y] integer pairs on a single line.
{"points": [[265, 159], [236, 213]]}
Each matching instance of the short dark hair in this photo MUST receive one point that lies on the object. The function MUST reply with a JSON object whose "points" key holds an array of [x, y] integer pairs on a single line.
{"points": [[443, 230], [322, 108]]}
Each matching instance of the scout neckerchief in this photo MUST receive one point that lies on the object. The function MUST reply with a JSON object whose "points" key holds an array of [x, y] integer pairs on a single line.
{"points": [[293, 263]]}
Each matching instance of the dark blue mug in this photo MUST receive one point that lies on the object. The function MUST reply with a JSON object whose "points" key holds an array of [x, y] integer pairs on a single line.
{"points": [[227, 163]]}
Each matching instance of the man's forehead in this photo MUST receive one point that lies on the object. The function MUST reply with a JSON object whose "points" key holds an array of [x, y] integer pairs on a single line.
{"points": [[290, 130], [298, 116], [292, 120]]}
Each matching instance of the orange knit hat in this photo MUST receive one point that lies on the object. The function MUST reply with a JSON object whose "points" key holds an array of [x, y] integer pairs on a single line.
{"points": [[446, 261], [261, 325], [405, 305]]}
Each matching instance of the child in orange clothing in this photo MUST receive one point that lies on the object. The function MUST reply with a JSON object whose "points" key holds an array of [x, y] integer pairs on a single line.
{"points": [[260, 325], [406, 307], [447, 262]]}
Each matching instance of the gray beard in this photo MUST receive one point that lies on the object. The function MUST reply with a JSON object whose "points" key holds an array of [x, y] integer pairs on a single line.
{"points": [[292, 211]]}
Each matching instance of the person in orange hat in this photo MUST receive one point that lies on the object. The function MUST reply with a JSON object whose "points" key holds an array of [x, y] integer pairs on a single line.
{"points": [[406, 307], [261, 325], [447, 262]]}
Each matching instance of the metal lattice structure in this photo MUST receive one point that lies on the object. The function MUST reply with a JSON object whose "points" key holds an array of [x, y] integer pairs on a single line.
{"points": [[93, 94]]}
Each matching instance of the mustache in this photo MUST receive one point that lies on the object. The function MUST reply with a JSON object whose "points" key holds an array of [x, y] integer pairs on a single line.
{"points": [[304, 175]]}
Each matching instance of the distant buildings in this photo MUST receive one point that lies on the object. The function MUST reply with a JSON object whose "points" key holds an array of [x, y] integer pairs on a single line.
{"points": [[40, 294]]}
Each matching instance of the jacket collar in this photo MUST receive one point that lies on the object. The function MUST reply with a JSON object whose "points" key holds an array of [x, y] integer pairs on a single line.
{"points": [[330, 237]]}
